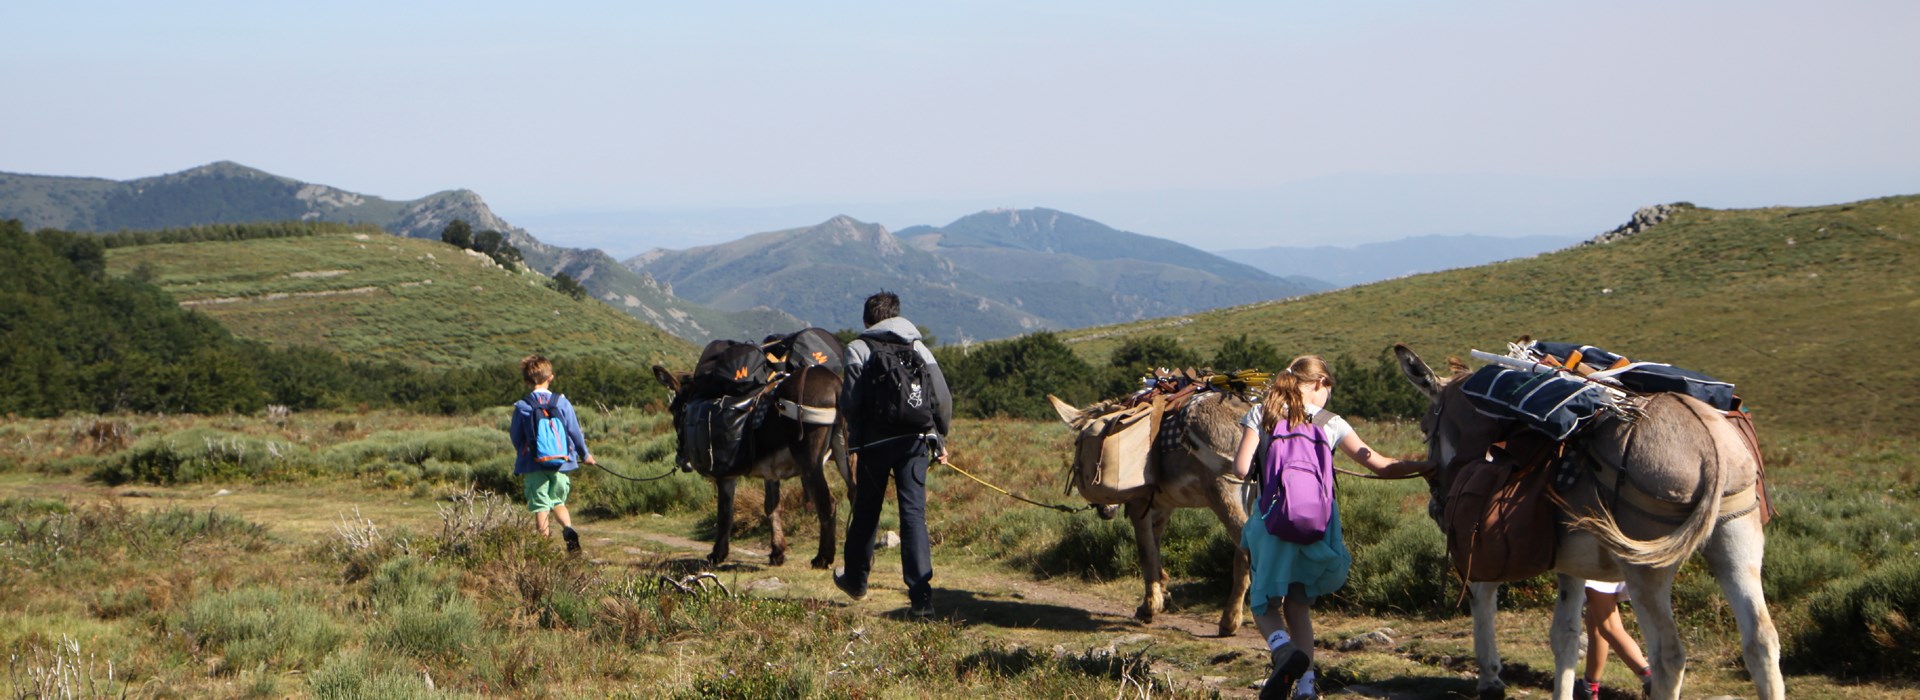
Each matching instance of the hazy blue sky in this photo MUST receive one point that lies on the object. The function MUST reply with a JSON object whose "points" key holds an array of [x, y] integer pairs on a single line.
{"points": [[1221, 124]]}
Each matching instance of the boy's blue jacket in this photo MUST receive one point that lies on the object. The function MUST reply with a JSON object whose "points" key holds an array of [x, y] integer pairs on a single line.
{"points": [[521, 430]]}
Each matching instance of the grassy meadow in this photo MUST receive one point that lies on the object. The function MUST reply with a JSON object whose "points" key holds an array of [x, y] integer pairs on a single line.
{"points": [[1788, 303], [375, 555], [389, 298]]}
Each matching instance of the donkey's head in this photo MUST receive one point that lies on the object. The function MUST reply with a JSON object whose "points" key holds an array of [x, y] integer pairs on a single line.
{"points": [[1456, 433], [676, 383]]}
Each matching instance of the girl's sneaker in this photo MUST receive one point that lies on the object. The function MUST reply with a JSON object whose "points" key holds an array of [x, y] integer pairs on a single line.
{"points": [[1288, 664], [1307, 689]]}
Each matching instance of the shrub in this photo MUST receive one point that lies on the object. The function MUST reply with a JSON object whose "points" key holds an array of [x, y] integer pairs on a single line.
{"points": [[257, 625], [422, 613], [355, 676], [1091, 548], [1866, 625], [203, 454]]}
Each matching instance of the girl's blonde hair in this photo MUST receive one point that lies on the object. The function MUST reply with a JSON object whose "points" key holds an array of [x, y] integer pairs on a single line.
{"points": [[1284, 399]]}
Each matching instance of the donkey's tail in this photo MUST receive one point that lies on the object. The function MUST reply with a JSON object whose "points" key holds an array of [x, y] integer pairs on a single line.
{"points": [[1672, 549]]}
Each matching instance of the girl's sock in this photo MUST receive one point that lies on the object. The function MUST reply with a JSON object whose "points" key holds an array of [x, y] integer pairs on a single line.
{"points": [[1277, 639], [1306, 688]]}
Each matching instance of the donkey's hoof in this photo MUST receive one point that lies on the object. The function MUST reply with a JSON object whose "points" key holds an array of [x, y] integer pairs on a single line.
{"points": [[1229, 627], [1498, 692], [777, 559], [1144, 613], [716, 557], [821, 562]]}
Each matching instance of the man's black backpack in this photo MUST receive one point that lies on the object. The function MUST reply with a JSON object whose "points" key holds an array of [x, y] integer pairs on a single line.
{"points": [[895, 391]]}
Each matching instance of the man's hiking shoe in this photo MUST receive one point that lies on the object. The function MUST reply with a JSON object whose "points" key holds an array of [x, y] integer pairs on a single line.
{"points": [[572, 538], [847, 587], [1288, 664], [921, 610]]}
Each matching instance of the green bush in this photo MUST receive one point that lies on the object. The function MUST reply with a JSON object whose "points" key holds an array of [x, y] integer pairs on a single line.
{"points": [[751, 681], [355, 676], [258, 625], [204, 454], [1865, 625], [422, 613], [1400, 563], [1091, 548]]}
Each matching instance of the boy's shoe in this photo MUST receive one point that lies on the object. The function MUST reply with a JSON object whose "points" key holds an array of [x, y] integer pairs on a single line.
{"points": [[572, 538], [921, 610], [1288, 664], [847, 587]]}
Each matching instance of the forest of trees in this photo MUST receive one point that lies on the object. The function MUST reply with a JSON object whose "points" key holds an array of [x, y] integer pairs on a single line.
{"points": [[1013, 377]]}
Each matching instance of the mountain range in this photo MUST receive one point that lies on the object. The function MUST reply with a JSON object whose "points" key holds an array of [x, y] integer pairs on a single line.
{"points": [[988, 275], [227, 192], [1342, 266]]}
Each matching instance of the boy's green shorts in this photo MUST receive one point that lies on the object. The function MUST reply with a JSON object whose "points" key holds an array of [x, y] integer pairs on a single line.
{"points": [[546, 490]]}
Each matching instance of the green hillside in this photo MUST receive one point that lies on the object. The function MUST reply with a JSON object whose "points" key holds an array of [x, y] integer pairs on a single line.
{"points": [[1810, 310], [230, 193], [381, 297]]}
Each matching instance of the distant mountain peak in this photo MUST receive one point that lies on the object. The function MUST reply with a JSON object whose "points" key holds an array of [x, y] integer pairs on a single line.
{"points": [[226, 168]]}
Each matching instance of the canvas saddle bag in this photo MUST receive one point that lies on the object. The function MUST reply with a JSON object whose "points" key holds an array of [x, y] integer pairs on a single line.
{"points": [[1113, 455], [1501, 523]]}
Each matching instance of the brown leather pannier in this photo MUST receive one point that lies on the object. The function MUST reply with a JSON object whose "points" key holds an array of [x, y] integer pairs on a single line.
{"points": [[1500, 521]]}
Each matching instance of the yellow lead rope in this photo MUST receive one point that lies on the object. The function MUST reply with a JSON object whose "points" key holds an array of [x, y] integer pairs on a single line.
{"points": [[1018, 497]]}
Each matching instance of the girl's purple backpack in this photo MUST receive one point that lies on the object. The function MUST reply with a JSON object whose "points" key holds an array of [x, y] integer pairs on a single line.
{"points": [[1296, 481]]}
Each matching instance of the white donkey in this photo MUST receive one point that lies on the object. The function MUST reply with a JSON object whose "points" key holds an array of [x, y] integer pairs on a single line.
{"points": [[1678, 479]]}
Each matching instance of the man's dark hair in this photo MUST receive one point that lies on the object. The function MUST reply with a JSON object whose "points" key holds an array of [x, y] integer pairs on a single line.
{"points": [[881, 307]]}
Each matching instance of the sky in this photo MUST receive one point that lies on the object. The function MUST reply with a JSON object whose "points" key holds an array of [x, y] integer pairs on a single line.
{"points": [[627, 125]]}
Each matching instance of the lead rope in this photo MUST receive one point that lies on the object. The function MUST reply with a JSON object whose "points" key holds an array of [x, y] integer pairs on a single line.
{"points": [[669, 472], [1018, 497]]}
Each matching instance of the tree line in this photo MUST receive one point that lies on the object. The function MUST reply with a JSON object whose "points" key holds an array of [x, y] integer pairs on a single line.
{"points": [[1013, 377]]}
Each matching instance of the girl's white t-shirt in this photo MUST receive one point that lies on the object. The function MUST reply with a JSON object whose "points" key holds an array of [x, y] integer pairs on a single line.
{"points": [[1336, 429]]}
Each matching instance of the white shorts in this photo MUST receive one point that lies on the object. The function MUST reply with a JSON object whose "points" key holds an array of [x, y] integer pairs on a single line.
{"points": [[1615, 587]]}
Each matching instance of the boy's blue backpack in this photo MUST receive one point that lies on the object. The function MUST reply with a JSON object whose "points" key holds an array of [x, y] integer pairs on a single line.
{"points": [[549, 443], [1296, 481]]}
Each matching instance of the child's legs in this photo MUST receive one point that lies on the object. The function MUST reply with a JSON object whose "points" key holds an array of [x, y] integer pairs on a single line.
{"points": [[545, 492], [1599, 606], [1614, 634], [1299, 623]]}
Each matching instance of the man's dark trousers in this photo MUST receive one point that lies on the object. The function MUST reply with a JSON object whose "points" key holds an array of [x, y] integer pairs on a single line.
{"points": [[904, 460]]}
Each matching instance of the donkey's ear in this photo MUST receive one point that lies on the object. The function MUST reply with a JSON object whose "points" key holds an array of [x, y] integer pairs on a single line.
{"points": [[667, 379], [1066, 410], [1416, 371]]}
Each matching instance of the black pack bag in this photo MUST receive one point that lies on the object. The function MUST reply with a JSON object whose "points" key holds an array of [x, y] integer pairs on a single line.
{"points": [[715, 435], [729, 368], [896, 393], [1554, 404], [813, 347], [1646, 377]]}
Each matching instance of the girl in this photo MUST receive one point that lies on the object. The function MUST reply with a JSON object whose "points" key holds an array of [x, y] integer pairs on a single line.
{"points": [[1288, 576], [1604, 630]]}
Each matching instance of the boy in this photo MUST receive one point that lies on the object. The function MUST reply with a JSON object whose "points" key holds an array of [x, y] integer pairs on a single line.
{"points": [[547, 484]]}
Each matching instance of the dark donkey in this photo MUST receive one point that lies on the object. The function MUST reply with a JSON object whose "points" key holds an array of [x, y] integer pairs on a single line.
{"points": [[795, 439]]}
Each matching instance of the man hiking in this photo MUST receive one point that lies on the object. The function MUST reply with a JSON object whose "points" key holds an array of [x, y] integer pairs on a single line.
{"points": [[898, 412]]}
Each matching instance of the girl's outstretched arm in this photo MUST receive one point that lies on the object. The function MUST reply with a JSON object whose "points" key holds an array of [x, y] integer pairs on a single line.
{"points": [[1381, 465]]}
